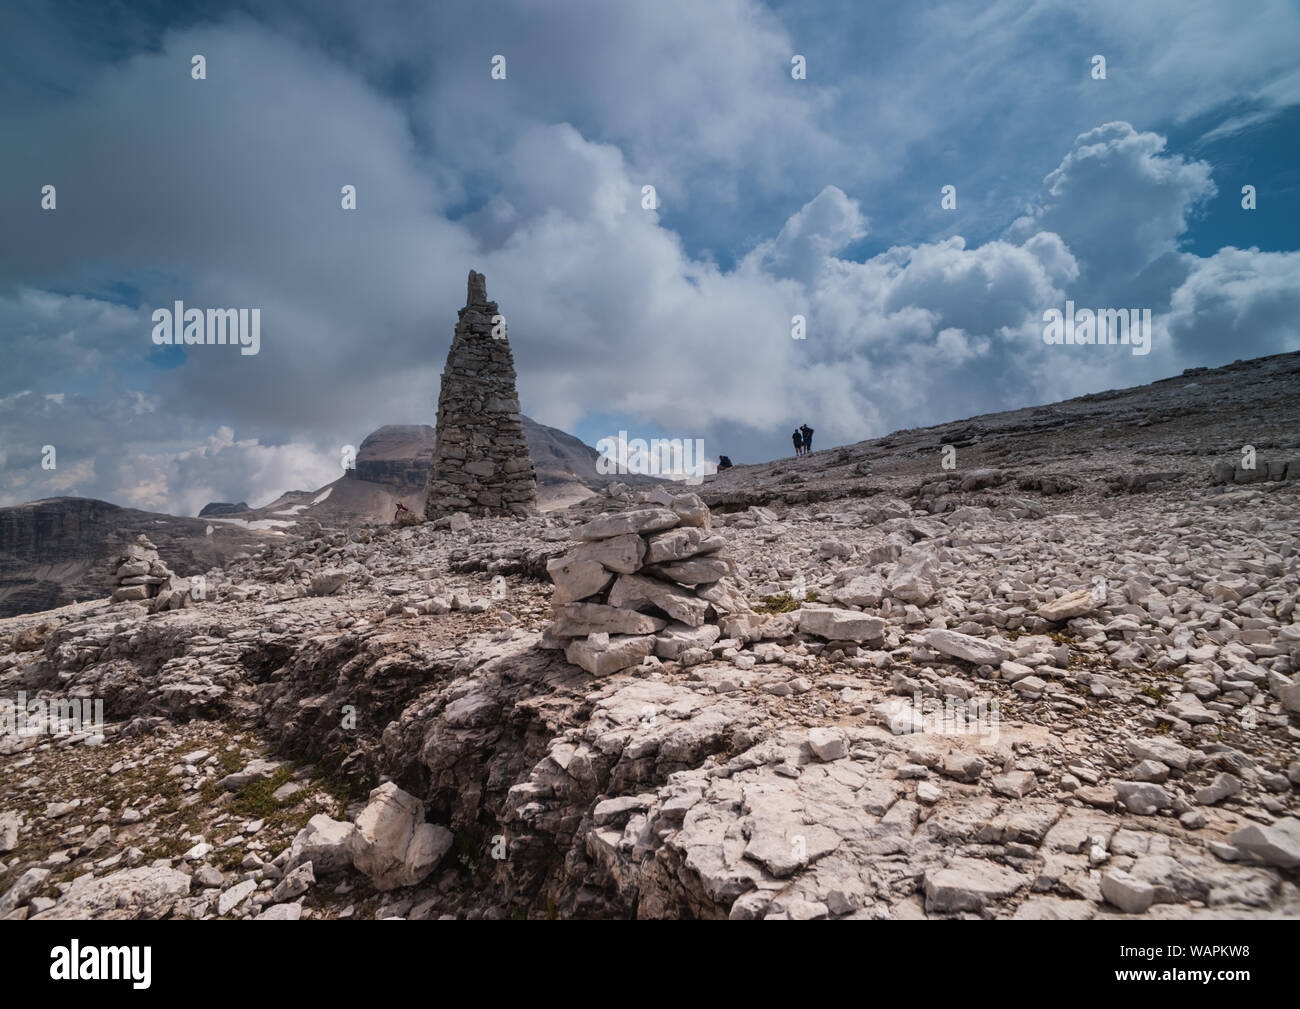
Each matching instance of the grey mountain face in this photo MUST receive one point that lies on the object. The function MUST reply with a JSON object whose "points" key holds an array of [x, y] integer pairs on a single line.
{"points": [[55, 551], [51, 552]]}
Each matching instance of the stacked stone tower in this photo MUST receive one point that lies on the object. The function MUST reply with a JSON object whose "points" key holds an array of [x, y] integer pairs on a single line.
{"points": [[481, 463]]}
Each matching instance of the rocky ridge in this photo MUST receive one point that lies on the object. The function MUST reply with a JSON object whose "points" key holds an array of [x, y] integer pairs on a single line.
{"points": [[1069, 691]]}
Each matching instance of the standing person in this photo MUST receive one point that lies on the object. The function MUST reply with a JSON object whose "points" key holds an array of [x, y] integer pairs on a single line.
{"points": [[798, 443], [807, 438]]}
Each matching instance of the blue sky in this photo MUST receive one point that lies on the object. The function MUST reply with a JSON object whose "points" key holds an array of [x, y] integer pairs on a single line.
{"points": [[818, 197]]}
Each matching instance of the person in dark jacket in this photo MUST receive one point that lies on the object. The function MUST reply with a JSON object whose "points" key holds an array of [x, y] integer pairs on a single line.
{"points": [[798, 443], [724, 462], [807, 438]]}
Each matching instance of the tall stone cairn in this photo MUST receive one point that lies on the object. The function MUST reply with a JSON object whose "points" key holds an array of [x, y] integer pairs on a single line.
{"points": [[481, 463]]}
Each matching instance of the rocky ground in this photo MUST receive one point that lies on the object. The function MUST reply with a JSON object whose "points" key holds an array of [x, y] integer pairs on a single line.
{"points": [[1090, 619]]}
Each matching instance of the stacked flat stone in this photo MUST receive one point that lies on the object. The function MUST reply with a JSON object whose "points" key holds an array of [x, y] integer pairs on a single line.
{"points": [[139, 574], [481, 463], [651, 580]]}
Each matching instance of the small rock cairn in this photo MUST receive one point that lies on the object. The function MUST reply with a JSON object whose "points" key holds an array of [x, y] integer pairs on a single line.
{"points": [[139, 575], [650, 580]]}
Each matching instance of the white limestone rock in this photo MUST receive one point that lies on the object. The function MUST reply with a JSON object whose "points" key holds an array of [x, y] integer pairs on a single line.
{"points": [[636, 591], [964, 646], [393, 844], [602, 654], [577, 620], [1073, 604], [835, 624], [644, 520], [325, 843]]}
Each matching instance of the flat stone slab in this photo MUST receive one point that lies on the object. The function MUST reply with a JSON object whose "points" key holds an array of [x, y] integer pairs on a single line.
{"points": [[1075, 604], [969, 884], [964, 646], [643, 520], [680, 543], [634, 591], [601, 654], [840, 625], [577, 620], [1278, 845]]}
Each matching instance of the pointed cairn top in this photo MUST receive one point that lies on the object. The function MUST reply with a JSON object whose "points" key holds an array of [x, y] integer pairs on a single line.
{"points": [[477, 293]]}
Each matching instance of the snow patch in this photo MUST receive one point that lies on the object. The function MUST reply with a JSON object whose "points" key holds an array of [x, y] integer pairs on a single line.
{"points": [[258, 524]]}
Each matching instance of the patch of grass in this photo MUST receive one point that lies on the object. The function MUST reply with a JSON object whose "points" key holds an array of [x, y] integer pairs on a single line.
{"points": [[171, 847], [229, 859], [229, 761], [783, 602], [256, 801], [346, 791]]}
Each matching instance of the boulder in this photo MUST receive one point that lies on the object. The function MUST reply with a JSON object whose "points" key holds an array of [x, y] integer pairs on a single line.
{"points": [[861, 590], [1128, 893], [840, 625], [91, 897], [964, 646], [1278, 845], [1142, 797], [601, 654], [969, 884], [691, 510], [327, 582], [915, 580], [325, 843], [392, 844], [1075, 604], [255, 770], [23, 889]]}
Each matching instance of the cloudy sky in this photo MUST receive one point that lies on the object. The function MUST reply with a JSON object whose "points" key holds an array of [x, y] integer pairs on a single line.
{"points": [[777, 197]]}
